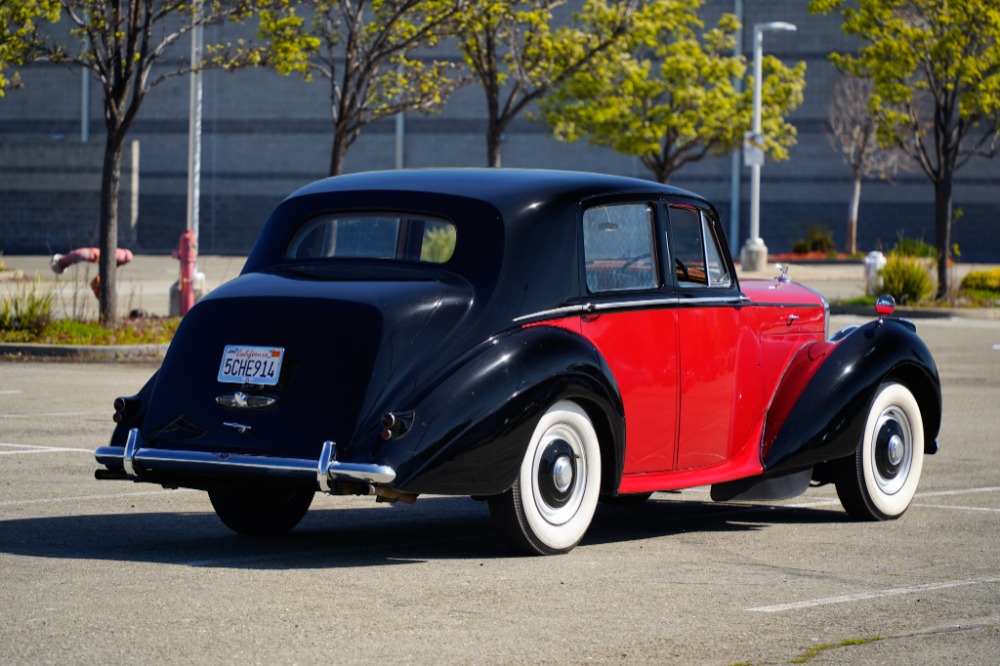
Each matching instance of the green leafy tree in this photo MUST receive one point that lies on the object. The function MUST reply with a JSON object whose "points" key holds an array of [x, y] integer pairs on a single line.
{"points": [[124, 43], [19, 21], [665, 92], [360, 47], [517, 54], [935, 65]]}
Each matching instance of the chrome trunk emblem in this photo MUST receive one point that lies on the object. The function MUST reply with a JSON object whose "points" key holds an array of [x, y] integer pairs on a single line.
{"points": [[239, 427], [246, 402]]}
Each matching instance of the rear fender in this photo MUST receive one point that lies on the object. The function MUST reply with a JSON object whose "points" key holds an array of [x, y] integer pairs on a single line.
{"points": [[470, 432], [134, 414], [819, 409]]}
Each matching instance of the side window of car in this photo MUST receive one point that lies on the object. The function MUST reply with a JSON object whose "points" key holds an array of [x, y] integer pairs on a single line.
{"points": [[618, 247], [718, 271], [698, 259], [689, 247], [438, 242]]}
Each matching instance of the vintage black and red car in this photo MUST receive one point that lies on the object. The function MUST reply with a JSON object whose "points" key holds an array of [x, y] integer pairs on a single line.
{"points": [[540, 339]]}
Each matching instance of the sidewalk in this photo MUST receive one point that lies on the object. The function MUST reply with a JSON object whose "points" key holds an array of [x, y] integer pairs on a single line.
{"points": [[144, 284]]}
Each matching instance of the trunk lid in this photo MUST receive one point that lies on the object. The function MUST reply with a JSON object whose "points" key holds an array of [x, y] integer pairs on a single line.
{"points": [[345, 342]]}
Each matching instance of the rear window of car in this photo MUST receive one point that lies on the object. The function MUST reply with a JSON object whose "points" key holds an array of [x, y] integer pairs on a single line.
{"points": [[389, 236]]}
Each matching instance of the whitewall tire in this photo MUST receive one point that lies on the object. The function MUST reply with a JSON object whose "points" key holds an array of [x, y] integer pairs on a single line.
{"points": [[552, 502], [879, 481]]}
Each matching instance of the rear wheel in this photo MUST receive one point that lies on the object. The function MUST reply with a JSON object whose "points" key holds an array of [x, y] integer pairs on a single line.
{"points": [[879, 481], [552, 502], [261, 511]]}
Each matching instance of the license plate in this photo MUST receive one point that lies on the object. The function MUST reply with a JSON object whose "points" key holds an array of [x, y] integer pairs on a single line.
{"points": [[251, 365]]}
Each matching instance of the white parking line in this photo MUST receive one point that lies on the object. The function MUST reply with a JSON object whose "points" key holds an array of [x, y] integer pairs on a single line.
{"points": [[935, 493], [32, 448], [957, 508], [39, 450], [862, 596], [45, 415], [966, 491]]}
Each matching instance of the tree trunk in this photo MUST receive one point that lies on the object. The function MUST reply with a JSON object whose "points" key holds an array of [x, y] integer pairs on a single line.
{"points": [[494, 137], [108, 267], [942, 229], [852, 216], [338, 152]]}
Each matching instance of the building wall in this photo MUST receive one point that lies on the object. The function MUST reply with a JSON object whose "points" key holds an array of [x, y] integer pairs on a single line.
{"points": [[50, 195], [264, 136]]}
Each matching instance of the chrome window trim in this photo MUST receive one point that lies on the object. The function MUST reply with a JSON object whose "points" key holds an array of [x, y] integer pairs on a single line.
{"points": [[554, 312], [611, 306]]}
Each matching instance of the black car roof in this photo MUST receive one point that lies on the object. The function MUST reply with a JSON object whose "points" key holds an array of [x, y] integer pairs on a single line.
{"points": [[505, 189], [518, 228]]}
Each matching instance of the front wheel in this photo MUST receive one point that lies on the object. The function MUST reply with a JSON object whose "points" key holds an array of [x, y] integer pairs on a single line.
{"points": [[552, 502], [879, 481], [261, 511]]}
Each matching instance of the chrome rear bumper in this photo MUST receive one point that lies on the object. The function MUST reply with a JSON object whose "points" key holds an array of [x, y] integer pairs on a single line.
{"points": [[133, 459]]}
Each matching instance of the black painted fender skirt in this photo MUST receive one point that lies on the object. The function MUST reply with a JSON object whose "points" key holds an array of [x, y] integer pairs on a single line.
{"points": [[826, 420]]}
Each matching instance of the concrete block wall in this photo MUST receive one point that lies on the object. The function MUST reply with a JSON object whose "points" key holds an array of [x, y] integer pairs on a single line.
{"points": [[50, 195]]}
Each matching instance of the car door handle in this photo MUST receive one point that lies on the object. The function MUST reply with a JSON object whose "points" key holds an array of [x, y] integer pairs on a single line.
{"points": [[590, 312], [792, 319]]}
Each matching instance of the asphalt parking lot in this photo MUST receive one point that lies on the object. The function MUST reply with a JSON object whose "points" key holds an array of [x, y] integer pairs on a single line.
{"points": [[112, 572]]}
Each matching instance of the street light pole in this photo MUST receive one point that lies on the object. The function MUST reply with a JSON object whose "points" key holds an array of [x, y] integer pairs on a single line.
{"points": [[734, 170], [754, 255], [194, 126]]}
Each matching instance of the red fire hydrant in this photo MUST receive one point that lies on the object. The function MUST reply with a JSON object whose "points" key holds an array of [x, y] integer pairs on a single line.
{"points": [[187, 252]]}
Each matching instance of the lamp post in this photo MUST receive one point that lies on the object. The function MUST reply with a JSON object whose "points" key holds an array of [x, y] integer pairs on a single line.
{"points": [[754, 255]]}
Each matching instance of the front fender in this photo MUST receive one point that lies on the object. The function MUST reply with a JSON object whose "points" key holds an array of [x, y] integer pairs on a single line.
{"points": [[819, 410], [470, 432]]}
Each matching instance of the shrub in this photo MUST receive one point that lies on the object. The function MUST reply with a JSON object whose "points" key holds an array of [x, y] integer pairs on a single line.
{"points": [[818, 239], [801, 246], [913, 247], [27, 308], [982, 280], [906, 279]]}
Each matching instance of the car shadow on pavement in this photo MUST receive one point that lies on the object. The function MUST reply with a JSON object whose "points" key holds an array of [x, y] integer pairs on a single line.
{"points": [[435, 528]]}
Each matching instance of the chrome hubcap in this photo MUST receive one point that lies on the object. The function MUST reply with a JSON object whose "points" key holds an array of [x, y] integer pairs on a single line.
{"points": [[892, 450], [562, 473], [559, 474], [896, 449]]}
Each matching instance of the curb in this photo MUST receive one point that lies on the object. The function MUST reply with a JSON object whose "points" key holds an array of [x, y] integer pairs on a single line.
{"points": [[27, 350]]}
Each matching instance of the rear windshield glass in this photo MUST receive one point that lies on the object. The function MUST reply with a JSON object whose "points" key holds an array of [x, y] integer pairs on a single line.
{"points": [[374, 236]]}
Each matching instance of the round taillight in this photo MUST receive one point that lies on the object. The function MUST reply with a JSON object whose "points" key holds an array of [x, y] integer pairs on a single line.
{"points": [[119, 404]]}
